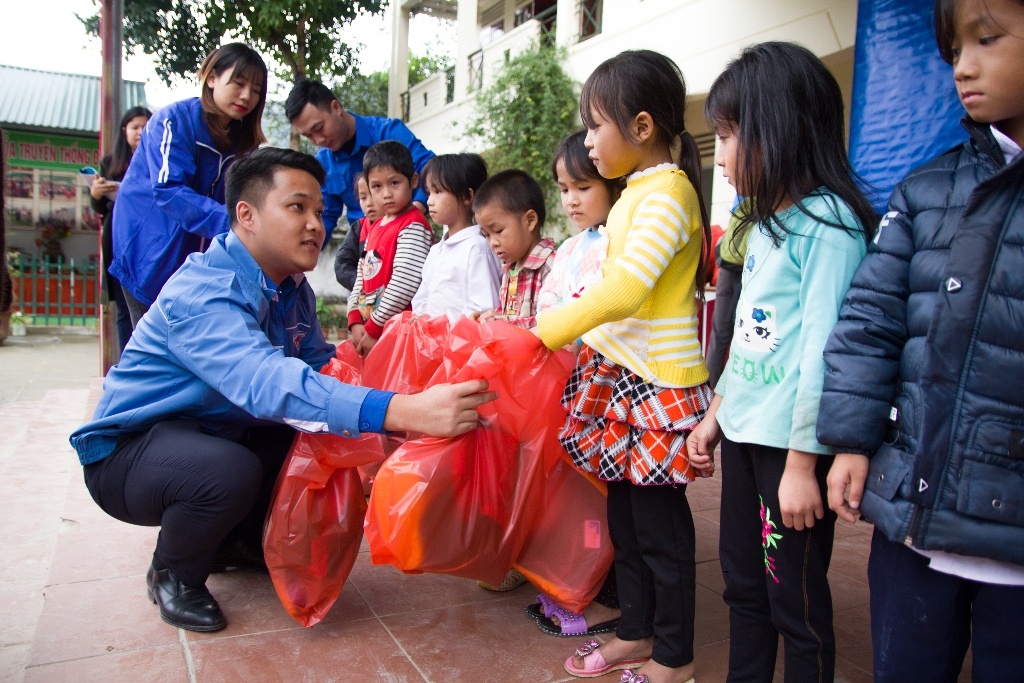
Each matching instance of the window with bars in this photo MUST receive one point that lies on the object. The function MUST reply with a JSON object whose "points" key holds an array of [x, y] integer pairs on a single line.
{"points": [[476, 70], [542, 10], [590, 18]]}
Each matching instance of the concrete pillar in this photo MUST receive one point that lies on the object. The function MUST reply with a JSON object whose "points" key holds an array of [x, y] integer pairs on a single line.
{"points": [[567, 25], [398, 77], [468, 43]]}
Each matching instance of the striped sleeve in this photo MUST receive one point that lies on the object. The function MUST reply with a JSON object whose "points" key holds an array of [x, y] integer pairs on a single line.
{"points": [[411, 252], [659, 229], [354, 316]]}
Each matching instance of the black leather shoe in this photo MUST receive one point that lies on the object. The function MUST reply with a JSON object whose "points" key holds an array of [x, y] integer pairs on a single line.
{"points": [[181, 605]]}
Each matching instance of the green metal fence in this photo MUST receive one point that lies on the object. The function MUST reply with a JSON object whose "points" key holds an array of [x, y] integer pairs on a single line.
{"points": [[55, 292]]}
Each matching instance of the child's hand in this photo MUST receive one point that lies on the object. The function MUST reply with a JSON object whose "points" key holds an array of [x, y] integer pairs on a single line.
{"points": [[356, 333], [487, 316], [701, 443], [366, 343], [799, 495], [846, 485]]}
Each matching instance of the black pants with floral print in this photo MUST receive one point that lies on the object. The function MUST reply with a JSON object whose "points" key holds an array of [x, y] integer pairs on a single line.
{"points": [[775, 578]]}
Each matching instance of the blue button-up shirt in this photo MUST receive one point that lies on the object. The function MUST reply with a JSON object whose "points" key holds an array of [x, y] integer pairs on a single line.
{"points": [[342, 167]]}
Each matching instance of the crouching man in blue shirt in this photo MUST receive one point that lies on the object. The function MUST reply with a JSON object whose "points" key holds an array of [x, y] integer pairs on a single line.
{"points": [[195, 421]]}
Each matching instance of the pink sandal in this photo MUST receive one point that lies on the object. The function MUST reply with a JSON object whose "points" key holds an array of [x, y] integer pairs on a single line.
{"points": [[629, 676], [594, 664]]}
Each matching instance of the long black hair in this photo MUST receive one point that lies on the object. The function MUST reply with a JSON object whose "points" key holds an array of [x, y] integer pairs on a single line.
{"points": [[638, 81], [946, 29], [787, 111], [122, 153]]}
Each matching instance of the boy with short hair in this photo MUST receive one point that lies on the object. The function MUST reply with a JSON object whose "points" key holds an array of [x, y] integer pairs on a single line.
{"points": [[510, 210], [391, 264]]}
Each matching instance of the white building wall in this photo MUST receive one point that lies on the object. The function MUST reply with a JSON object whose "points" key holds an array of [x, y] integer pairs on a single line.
{"points": [[702, 36]]}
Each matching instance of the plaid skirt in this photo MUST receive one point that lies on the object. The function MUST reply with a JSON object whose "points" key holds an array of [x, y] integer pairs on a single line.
{"points": [[624, 429]]}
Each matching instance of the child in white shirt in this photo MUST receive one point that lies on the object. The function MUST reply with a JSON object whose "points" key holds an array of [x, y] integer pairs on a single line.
{"points": [[461, 274]]}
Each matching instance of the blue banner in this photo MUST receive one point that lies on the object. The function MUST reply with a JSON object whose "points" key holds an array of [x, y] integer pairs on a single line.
{"points": [[905, 109]]}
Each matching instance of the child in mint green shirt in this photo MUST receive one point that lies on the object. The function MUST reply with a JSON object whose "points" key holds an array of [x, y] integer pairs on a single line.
{"points": [[783, 149]]}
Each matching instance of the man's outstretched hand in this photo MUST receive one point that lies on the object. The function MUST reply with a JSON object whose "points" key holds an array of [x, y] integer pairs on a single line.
{"points": [[442, 410]]}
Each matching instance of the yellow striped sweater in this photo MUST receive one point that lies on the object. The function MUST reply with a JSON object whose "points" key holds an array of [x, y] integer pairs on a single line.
{"points": [[643, 313]]}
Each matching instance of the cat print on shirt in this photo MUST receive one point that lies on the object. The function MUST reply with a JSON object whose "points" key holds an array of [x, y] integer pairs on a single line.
{"points": [[756, 328]]}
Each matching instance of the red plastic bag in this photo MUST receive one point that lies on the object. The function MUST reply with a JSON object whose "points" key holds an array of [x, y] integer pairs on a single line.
{"points": [[315, 523], [312, 536], [568, 552], [549, 498], [340, 451], [407, 354]]}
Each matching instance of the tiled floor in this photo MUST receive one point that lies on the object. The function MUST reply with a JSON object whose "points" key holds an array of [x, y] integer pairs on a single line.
{"points": [[73, 583]]}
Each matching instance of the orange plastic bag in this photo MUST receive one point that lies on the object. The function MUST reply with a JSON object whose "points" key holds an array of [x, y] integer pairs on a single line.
{"points": [[315, 523], [568, 552], [402, 528], [445, 506]]}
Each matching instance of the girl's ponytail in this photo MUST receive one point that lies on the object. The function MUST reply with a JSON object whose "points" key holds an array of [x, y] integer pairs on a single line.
{"points": [[689, 163]]}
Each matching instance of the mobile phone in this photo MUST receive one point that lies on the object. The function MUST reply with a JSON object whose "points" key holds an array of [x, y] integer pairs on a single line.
{"points": [[88, 170]]}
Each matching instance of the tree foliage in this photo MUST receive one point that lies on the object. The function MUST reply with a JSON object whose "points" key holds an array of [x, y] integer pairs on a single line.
{"points": [[301, 35], [426, 65], [366, 94], [525, 113]]}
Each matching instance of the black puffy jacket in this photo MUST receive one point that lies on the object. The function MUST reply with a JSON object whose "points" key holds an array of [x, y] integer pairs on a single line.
{"points": [[925, 368]]}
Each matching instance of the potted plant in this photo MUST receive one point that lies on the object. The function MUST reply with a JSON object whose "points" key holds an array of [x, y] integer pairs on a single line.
{"points": [[50, 237], [18, 323]]}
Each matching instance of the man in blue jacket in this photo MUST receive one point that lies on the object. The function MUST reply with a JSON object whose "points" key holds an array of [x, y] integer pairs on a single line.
{"points": [[195, 421], [344, 138]]}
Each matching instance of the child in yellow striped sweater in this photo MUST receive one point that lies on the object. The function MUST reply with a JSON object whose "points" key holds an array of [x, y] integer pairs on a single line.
{"points": [[640, 384]]}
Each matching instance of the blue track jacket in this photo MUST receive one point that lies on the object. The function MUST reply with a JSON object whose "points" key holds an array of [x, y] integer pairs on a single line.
{"points": [[226, 347], [171, 201], [343, 166]]}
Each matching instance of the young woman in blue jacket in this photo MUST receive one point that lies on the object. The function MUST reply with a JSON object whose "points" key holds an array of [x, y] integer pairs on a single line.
{"points": [[171, 201]]}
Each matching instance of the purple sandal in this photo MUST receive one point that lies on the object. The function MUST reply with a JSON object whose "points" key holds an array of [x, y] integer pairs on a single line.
{"points": [[542, 609], [571, 625]]}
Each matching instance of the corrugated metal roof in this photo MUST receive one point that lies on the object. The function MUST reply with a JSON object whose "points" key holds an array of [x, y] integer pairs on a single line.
{"points": [[47, 99]]}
